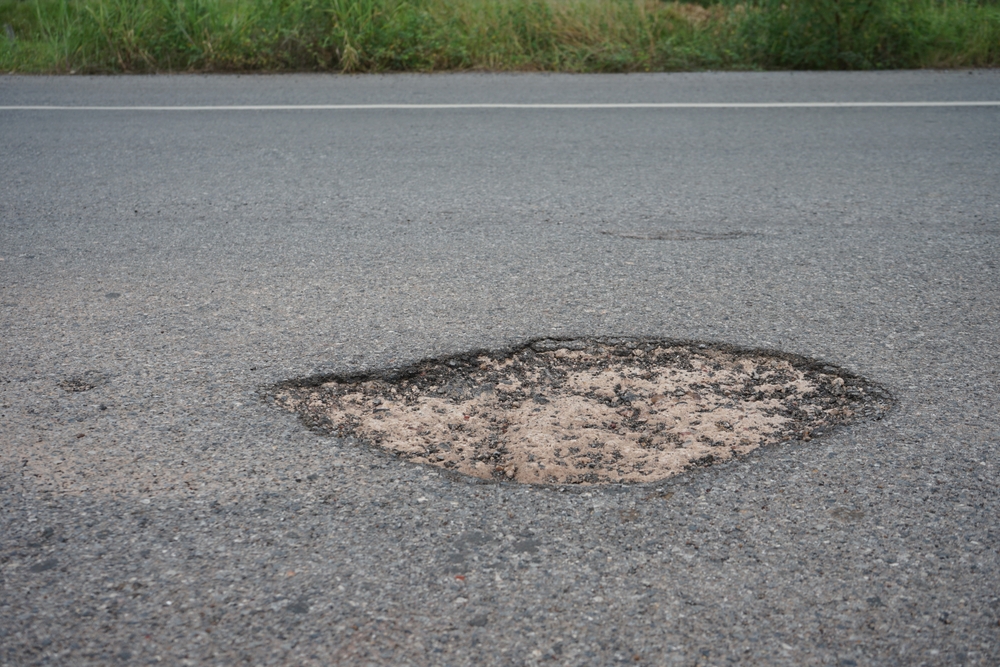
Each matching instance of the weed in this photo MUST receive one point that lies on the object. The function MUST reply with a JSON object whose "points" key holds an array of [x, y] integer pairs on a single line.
{"points": [[548, 35]]}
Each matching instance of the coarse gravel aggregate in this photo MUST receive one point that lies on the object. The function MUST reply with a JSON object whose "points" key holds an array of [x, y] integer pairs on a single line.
{"points": [[161, 271]]}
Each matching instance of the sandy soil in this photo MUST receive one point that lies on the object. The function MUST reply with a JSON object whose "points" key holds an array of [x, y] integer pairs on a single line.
{"points": [[585, 412]]}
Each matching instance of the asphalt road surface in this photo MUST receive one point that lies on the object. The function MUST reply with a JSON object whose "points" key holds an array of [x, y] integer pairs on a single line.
{"points": [[160, 269]]}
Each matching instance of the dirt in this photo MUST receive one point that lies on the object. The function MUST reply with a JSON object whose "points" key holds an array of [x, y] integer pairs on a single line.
{"points": [[697, 15], [587, 411]]}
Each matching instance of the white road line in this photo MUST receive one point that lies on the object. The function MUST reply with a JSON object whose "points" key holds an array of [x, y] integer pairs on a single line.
{"points": [[638, 105]]}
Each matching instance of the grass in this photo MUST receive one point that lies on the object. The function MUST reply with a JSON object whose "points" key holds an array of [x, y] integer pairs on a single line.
{"points": [[103, 36]]}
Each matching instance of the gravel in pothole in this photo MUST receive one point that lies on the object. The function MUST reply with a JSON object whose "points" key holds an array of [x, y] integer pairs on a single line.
{"points": [[587, 411]]}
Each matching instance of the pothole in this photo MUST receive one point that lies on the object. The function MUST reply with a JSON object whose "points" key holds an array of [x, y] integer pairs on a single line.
{"points": [[592, 411], [89, 380], [679, 235]]}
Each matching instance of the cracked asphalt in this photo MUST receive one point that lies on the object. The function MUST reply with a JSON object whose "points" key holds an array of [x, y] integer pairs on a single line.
{"points": [[160, 271]]}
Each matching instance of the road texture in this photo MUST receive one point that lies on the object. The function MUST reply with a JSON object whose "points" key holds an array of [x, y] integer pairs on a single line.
{"points": [[161, 269]]}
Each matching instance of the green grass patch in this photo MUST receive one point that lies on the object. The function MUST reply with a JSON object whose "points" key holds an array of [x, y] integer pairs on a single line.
{"points": [[98, 36]]}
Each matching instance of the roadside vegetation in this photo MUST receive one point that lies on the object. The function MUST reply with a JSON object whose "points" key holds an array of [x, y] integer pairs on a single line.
{"points": [[103, 36]]}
